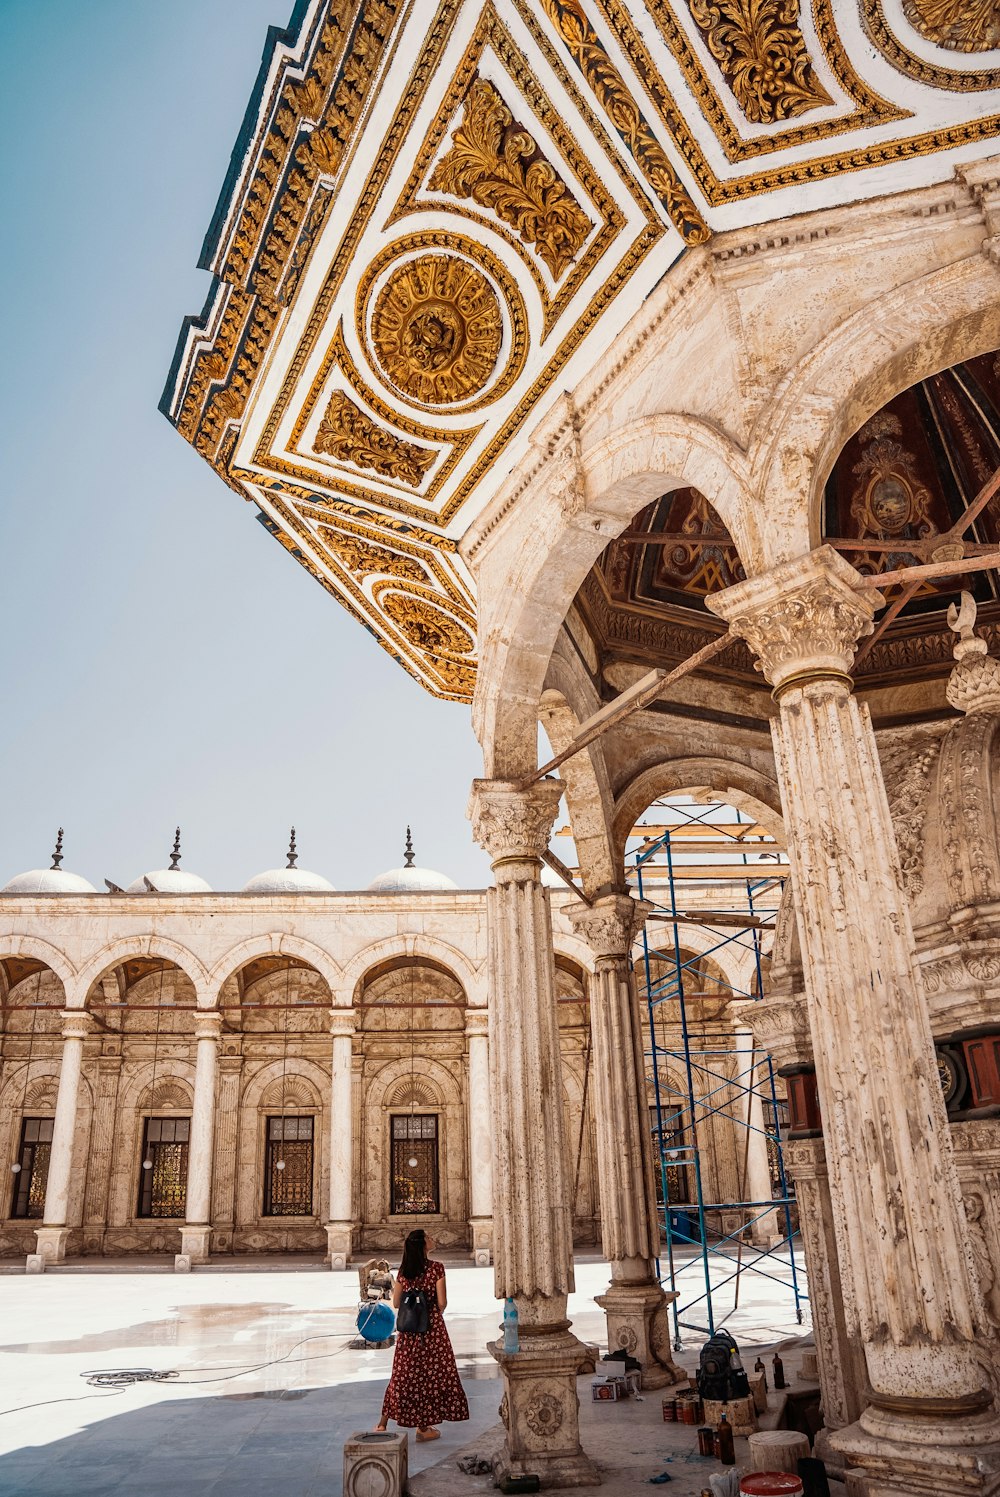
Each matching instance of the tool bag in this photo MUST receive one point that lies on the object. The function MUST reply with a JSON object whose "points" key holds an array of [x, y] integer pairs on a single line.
{"points": [[413, 1317]]}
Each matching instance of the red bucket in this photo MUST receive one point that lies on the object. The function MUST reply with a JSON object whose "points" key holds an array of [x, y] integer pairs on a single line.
{"points": [[771, 1484]]}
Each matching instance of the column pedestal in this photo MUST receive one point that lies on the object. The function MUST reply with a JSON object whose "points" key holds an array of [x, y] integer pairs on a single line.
{"points": [[540, 1411], [534, 1257], [481, 1233], [638, 1322], [51, 1244], [339, 1244]]}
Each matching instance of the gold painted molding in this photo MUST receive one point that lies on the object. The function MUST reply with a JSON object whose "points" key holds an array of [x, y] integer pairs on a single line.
{"points": [[929, 17], [762, 54]]}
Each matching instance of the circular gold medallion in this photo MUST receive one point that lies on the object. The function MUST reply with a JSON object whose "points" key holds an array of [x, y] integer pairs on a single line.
{"points": [[437, 329]]}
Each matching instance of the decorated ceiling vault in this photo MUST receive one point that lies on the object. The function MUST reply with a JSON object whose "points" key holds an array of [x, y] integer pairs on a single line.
{"points": [[437, 217]]}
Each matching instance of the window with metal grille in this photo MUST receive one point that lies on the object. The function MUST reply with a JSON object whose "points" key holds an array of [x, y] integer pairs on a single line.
{"points": [[665, 1160], [163, 1186], [414, 1165], [288, 1167], [775, 1119], [32, 1176]]}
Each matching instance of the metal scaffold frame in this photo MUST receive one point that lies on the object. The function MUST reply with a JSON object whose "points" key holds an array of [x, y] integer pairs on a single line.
{"points": [[718, 1081]]}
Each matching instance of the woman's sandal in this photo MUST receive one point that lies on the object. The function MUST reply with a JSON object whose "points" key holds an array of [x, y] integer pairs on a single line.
{"points": [[428, 1434]]}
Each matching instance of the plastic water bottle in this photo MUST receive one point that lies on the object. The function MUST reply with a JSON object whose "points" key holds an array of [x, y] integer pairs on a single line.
{"points": [[510, 1341]]}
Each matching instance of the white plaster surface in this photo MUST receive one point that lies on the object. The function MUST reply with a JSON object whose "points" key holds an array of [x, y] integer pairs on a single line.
{"points": [[278, 1429]]}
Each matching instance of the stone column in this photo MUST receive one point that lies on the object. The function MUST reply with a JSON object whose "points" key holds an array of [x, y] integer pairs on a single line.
{"points": [[635, 1303], [532, 1229], [765, 1228], [227, 1113], [51, 1236], [480, 1136], [909, 1281], [340, 1227], [196, 1232]]}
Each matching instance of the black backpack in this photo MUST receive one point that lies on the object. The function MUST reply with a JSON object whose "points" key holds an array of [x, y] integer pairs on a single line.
{"points": [[720, 1371], [413, 1317]]}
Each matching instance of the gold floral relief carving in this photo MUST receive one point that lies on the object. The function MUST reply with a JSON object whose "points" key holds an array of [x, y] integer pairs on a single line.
{"points": [[497, 163], [349, 434], [762, 54], [962, 17], [591, 57], [437, 635], [958, 25], [437, 330], [365, 559]]}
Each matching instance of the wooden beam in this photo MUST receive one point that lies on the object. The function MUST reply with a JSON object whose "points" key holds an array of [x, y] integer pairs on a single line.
{"points": [[714, 917], [637, 696], [887, 618], [566, 874], [933, 569]]}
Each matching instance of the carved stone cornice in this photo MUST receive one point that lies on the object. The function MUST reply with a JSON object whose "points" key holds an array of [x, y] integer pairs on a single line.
{"points": [[610, 925], [513, 825], [802, 620], [780, 1027], [477, 1022], [207, 1025], [76, 1025]]}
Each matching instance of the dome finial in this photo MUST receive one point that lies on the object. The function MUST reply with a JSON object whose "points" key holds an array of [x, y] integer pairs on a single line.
{"points": [[974, 684], [57, 854], [175, 855], [408, 854], [292, 854]]}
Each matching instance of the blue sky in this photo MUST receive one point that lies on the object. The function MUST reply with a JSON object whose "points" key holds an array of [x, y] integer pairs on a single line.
{"points": [[165, 660]]}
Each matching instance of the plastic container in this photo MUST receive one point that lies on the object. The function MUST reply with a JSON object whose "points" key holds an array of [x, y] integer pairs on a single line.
{"points": [[771, 1484], [510, 1337]]}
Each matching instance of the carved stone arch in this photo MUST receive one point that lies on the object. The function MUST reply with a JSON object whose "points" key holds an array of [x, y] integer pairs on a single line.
{"points": [[40, 1094], [150, 945], [417, 1092], [786, 953], [469, 977], [138, 1092], [887, 345], [275, 943], [432, 1086], [309, 1083], [397, 1076], [167, 1095], [564, 519], [267, 1082], [576, 951], [588, 793], [35, 949], [290, 1095], [734, 784]]}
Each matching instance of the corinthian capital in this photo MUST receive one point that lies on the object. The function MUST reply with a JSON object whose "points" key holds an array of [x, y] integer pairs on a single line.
{"points": [[610, 925], [803, 619], [511, 824]]}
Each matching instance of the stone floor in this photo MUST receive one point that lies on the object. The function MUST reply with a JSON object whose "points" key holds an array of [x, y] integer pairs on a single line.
{"points": [[267, 1387]]}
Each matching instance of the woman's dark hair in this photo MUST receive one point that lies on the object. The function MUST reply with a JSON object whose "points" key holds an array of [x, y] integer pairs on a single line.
{"points": [[414, 1255]]}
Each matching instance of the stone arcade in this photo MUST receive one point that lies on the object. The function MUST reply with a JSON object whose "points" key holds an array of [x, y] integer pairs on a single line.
{"points": [[563, 343]]}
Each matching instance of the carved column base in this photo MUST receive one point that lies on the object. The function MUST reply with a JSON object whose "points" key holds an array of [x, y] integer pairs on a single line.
{"points": [[541, 1412], [912, 1456], [195, 1244], [481, 1228], [638, 1323], [52, 1243], [339, 1241]]}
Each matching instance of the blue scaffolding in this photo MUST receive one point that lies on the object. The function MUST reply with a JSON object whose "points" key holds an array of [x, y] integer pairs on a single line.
{"points": [[696, 1227]]}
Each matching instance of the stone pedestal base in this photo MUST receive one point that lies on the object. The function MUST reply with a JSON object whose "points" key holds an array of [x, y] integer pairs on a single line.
{"points": [[541, 1412], [339, 1241], [52, 1243], [195, 1243], [481, 1228], [34, 1263], [182, 1263], [935, 1457], [638, 1323], [375, 1462]]}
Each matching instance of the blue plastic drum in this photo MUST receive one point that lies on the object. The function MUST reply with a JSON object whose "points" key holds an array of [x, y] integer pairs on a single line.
{"points": [[376, 1321]]}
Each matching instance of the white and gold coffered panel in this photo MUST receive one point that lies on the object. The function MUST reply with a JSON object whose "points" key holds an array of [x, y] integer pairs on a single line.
{"points": [[438, 216]]}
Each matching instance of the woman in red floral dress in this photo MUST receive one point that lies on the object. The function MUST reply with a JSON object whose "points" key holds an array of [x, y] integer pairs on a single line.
{"points": [[424, 1388]]}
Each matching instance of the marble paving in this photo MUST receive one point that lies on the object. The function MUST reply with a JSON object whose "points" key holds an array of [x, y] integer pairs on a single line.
{"points": [[267, 1388]]}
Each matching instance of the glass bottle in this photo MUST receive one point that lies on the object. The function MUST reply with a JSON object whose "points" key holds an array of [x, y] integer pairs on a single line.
{"points": [[779, 1371], [727, 1446]]}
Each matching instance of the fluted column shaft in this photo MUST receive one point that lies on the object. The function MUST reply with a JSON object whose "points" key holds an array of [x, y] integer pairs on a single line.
{"points": [[340, 1227], [76, 1026], [533, 1240], [909, 1281], [480, 1135]]}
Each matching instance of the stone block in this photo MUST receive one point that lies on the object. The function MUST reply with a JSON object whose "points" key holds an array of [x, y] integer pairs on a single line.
{"points": [[182, 1263], [375, 1464], [34, 1263], [741, 1414]]}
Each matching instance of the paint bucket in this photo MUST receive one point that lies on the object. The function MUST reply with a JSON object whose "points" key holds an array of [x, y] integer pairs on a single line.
{"points": [[771, 1484], [669, 1410]]}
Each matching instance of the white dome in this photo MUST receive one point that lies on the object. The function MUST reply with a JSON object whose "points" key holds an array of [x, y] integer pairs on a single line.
{"points": [[288, 881], [48, 881], [408, 878], [169, 881], [401, 880]]}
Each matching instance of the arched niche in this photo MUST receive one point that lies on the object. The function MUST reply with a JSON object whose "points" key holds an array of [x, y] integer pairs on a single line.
{"points": [[407, 995], [272, 994]]}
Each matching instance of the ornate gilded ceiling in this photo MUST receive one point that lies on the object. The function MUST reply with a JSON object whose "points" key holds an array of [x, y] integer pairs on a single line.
{"points": [[438, 216], [907, 475]]}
